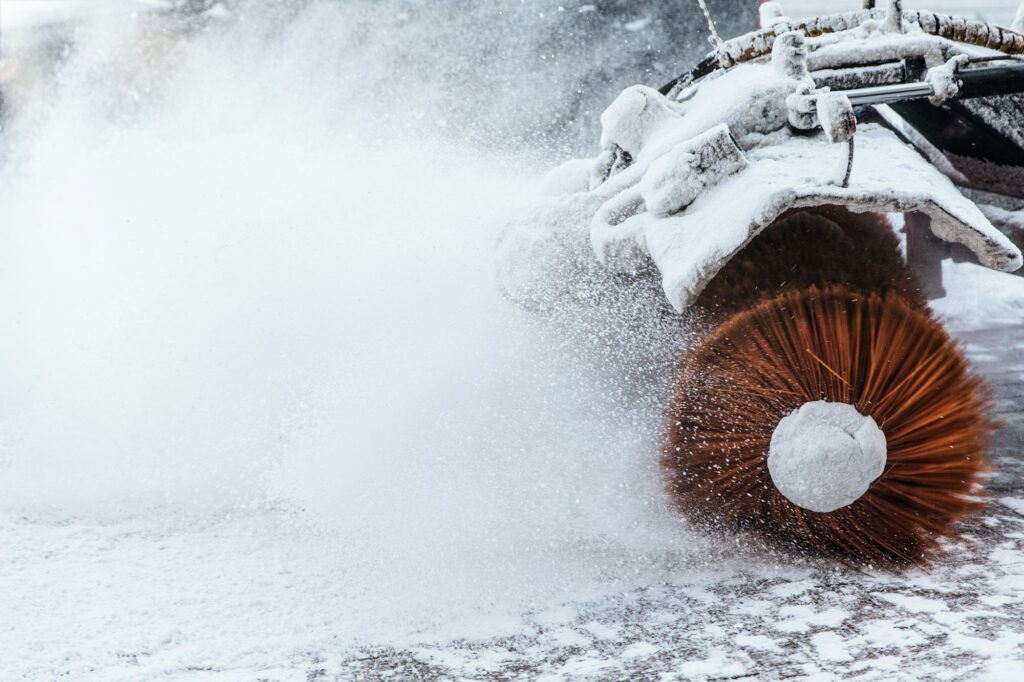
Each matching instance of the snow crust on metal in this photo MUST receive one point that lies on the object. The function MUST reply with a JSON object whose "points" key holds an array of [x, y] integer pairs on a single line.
{"points": [[685, 182], [952, 30], [824, 456], [690, 247]]}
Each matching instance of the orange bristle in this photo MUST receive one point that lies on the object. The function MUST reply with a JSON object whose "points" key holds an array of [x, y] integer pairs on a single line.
{"points": [[867, 340], [822, 246]]}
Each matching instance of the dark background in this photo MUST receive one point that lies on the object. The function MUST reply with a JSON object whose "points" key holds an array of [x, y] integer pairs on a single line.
{"points": [[527, 72]]}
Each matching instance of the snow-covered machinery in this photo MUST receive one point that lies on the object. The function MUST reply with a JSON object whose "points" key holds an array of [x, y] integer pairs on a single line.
{"points": [[824, 405]]}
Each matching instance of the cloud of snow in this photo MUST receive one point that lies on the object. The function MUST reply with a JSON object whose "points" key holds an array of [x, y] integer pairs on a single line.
{"points": [[235, 276]]}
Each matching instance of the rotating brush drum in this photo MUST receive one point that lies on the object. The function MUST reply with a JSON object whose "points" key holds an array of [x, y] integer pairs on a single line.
{"points": [[827, 408]]}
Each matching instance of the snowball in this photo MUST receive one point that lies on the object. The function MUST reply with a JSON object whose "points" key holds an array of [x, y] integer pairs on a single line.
{"points": [[824, 456]]}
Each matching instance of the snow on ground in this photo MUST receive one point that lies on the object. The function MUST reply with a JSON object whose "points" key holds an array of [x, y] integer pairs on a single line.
{"points": [[265, 417], [979, 298], [732, 612], [262, 402], [257, 593]]}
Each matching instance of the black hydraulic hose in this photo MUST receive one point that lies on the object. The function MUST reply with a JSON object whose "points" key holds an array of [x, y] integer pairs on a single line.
{"points": [[990, 81]]}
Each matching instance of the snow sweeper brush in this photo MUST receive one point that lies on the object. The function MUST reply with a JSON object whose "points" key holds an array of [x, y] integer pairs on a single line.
{"points": [[823, 406]]}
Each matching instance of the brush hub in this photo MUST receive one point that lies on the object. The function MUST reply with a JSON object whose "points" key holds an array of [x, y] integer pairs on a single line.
{"points": [[824, 456]]}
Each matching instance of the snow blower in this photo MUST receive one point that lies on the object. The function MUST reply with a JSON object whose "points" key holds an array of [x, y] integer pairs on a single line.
{"points": [[824, 406]]}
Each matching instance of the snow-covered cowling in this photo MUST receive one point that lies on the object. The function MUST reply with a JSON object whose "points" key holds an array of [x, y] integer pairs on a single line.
{"points": [[684, 182]]}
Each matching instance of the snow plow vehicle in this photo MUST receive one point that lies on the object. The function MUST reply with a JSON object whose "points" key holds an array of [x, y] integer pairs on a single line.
{"points": [[823, 406]]}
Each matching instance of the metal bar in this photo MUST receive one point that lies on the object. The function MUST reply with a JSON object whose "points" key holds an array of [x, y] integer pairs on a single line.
{"points": [[982, 81], [925, 253], [884, 94], [716, 39]]}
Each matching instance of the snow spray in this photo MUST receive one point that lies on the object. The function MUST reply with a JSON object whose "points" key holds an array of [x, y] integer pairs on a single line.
{"points": [[246, 279]]}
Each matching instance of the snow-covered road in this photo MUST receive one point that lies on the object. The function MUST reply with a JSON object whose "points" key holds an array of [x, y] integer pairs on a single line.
{"points": [[739, 615], [256, 594]]}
